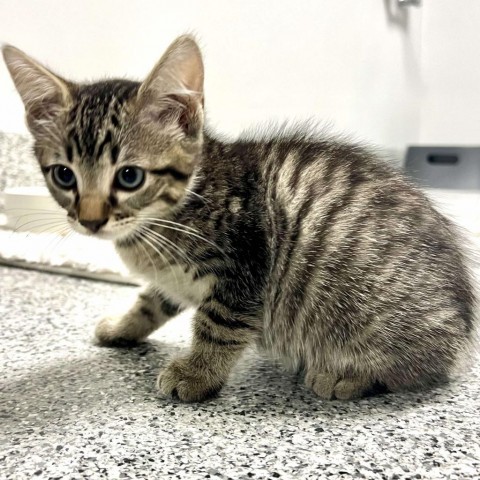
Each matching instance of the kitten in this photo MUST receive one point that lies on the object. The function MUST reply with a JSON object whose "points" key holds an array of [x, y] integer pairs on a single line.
{"points": [[313, 249]]}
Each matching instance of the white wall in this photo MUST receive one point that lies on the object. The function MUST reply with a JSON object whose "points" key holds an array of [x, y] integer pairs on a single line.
{"points": [[451, 72], [355, 63]]}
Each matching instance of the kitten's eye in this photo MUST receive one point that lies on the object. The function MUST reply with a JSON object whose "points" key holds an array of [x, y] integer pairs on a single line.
{"points": [[64, 177], [129, 178]]}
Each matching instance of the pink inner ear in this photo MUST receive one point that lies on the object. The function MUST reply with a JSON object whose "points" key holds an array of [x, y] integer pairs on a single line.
{"points": [[181, 110], [191, 75], [42, 115], [47, 108], [43, 92], [179, 70]]}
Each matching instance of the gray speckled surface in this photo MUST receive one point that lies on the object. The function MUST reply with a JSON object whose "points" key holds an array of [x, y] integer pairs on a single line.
{"points": [[72, 410]]}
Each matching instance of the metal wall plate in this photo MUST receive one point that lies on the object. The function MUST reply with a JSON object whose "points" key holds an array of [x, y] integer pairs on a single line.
{"points": [[407, 3], [445, 167]]}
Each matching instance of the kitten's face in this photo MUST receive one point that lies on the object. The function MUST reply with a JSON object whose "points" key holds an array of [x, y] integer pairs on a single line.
{"points": [[109, 170], [116, 154]]}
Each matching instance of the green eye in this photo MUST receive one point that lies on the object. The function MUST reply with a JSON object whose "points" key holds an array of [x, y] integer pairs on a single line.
{"points": [[64, 177], [129, 178]]}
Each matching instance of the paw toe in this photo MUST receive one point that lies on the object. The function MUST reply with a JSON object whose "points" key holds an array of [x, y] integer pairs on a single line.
{"points": [[330, 386], [322, 384], [348, 389]]}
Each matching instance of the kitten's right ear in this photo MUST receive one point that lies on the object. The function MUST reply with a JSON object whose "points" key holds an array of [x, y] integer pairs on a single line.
{"points": [[44, 94]]}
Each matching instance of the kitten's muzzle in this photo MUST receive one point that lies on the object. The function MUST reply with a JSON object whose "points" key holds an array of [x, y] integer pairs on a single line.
{"points": [[93, 212]]}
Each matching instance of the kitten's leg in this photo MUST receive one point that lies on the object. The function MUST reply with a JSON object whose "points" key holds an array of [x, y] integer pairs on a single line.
{"points": [[150, 312], [219, 339], [329, 386]]}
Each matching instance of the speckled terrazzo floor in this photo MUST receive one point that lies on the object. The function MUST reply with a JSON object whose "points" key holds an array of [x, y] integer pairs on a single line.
{"points": [[71, 410]]}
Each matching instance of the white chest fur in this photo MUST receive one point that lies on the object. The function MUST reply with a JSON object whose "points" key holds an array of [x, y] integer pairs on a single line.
{"points": [[181, 286], [172, 280]]}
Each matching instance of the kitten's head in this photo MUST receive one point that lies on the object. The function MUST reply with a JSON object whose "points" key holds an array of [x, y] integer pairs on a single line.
{"points": [[115, 153]]}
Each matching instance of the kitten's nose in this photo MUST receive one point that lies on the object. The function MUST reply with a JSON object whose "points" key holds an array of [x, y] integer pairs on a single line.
{"points": [[94, 225], [93, 212]]}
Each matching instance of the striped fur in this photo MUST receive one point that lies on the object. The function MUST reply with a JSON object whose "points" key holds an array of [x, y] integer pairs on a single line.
{"points": [[312, 248]]}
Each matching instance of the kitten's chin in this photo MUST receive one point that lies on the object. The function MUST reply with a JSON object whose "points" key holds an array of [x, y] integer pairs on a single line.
{"points": [[112, 236], [117, 235], [124, 235]]}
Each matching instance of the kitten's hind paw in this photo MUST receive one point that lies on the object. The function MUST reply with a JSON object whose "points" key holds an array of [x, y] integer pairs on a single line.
{"points": [[329, 386], [323, 384], [351, 388]]}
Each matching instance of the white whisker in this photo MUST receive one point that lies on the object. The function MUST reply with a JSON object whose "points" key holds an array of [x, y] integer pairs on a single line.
{"points": [[162, 245], [204, 200], [170, 222], [160, 223], [155, 249], [39, 222], [33, 210], [176, 248], [150, 259], [62, 235]]}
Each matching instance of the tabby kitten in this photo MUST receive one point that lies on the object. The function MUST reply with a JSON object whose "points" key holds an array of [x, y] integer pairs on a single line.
{"points": [[313, 249]]}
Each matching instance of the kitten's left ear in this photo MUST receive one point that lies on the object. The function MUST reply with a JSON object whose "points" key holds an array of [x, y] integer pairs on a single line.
{"points": [[44, 94], [172, 94]]}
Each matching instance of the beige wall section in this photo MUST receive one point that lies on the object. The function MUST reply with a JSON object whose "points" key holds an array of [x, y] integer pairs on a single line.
{"points": [[451, 72], [355, 63]]}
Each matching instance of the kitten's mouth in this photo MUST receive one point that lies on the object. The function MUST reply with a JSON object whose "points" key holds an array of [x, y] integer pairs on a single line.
{"points": [[107, 231]]}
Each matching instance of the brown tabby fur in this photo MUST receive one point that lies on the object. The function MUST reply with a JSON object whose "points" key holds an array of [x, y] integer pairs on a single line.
{"points": [[312, 248]]}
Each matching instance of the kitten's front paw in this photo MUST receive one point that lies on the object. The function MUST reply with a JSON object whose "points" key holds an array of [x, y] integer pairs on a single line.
{"points": [[111, 331], [187, 382]]}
